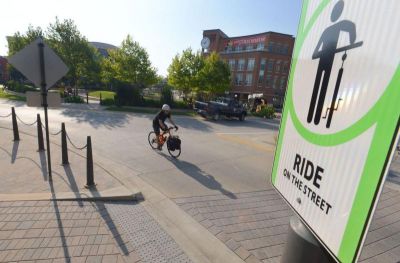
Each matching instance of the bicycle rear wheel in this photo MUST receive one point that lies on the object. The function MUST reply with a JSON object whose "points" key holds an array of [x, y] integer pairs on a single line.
{"points": [[174, 153], [153, 140]]}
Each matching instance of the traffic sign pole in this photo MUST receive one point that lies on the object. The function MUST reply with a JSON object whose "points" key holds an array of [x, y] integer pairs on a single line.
{"points": [[44, 95], [302, 246]]}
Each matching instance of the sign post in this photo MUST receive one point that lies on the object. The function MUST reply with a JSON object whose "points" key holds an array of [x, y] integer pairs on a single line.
{"points": [[340, 122], [38, 63], [44, 102]]}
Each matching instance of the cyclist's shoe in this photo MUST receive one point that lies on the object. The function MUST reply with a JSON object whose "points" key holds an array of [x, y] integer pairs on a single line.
{"points": [[159, 147]]}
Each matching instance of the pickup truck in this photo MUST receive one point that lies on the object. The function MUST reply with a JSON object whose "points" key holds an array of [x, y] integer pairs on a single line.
{"points": [[220, 107]]}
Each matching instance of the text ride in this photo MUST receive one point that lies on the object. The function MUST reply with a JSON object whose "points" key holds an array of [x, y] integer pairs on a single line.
{"points": [[313, 174]]}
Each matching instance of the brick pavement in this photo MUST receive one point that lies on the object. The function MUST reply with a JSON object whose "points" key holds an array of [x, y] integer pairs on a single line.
{"points": [[74, 231], [255, 224]]}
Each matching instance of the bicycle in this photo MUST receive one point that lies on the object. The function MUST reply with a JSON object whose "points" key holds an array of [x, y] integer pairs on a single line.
{"points": [[166, 137]]}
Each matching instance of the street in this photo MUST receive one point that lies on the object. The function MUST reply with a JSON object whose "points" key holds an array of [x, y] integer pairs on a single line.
{"points": [[221, 179]]}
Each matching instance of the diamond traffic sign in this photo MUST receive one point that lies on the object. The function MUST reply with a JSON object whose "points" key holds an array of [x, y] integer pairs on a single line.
{"points": [[27, 61]]}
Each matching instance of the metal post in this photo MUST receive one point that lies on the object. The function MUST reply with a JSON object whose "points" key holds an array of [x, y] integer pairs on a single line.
{"points": [[64, 147], [100, 98], [14, 124], [40, 133], [87, 97], [89, 165], [302, 245], [44, 97]]}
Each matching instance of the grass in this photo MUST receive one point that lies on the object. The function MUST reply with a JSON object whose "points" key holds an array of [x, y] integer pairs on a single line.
{"points": [[4, 95], [105, 94], [149, 110]]}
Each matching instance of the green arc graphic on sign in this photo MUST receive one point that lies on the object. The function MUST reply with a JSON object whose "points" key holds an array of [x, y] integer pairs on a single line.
{"points": [[376, 161], [369, 119]]}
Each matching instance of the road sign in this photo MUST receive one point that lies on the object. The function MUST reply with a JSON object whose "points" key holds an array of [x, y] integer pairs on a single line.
{"points": [[341, 119], [35, 99], [27, 61]]}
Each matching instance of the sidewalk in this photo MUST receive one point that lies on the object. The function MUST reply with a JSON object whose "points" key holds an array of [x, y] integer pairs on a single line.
{"points": [[61, 221]]}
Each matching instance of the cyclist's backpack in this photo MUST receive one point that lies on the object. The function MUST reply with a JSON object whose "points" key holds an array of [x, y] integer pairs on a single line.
{"points": [[174, 143]]}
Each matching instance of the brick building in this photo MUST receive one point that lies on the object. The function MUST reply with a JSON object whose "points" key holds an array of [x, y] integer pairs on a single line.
{"points": [[259, 63], [3, 70]]}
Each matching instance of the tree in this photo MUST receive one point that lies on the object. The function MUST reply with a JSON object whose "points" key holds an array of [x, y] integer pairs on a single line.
{"points": [[129, 64], [74, 49], [184, 69], [214, 77], [17, 42]]}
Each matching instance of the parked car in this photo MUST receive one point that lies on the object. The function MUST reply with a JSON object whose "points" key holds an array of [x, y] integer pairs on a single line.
{"points": [[228, 107]]}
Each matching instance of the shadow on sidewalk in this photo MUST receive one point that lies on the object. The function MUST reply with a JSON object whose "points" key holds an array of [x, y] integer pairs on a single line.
{"points": [[199, 175], [59, 224], [14, 151], [97, 119], [101, 208], [72, 183]]}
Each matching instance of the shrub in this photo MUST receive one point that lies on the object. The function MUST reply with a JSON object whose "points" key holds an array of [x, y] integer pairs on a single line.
{"points": [[73, 99], [129, 95], [19, 87], [267, 111], [107, 102]]}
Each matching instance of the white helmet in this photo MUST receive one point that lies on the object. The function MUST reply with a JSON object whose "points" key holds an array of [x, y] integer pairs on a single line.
{"points": [[166, 107]]}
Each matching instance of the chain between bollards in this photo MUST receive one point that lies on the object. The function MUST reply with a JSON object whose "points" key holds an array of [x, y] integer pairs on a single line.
{"points": [[14, 124], [89, 165], [40, 134], [64, 147]]}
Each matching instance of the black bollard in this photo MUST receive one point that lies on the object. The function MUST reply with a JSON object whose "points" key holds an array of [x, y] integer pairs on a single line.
{"points": [[14, 124], [64, 147], [100, 98], [40, 134], [89, 164]]}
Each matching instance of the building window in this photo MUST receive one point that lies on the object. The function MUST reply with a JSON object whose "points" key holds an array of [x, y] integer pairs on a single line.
{"points": [[283, 83], [249, 79], [249, 47], [285, 67], [262, 64], [261, 77], [285, 49], [241, 64], [270, 65], [232, 64], [260, 46], [275, 84], [239, 79], [238, 48], [268, 82], [271, 46], [250, 64], [278, 66]]}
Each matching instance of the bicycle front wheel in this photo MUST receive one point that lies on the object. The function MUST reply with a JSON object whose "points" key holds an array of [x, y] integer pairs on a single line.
{"points": [[153, 140]]}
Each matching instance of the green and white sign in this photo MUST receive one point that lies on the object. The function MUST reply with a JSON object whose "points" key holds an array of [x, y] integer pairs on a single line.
{"points": [[340, 122]]}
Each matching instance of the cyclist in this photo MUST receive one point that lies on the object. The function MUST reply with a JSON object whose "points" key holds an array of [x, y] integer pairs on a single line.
{"points": [[159, 122]]}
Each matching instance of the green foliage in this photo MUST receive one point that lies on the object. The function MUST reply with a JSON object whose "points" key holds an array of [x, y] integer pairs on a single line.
{"points": [[74, 49], [129, 64], [184, 69], [266, 111], [166, 95], [107, 102], [105, 94], [191, 72], [19, 87], [73, 99], [129, 95], [215, 76], [4, 95]]}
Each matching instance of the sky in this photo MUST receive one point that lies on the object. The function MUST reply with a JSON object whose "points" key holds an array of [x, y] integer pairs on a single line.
{"points": [[163, 27]]}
